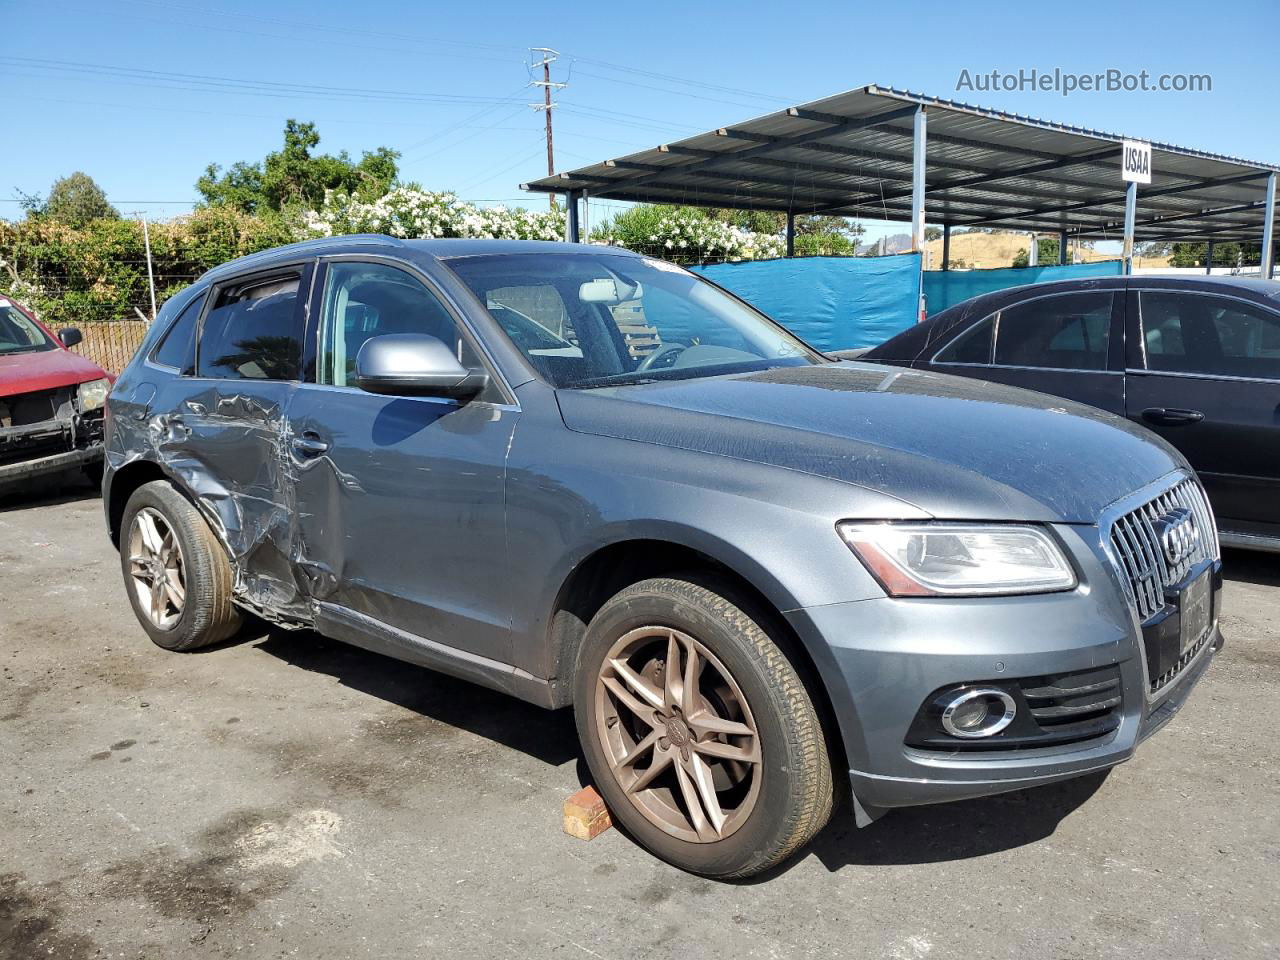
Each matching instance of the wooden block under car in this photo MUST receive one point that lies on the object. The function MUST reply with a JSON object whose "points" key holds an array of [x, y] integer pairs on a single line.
{"points": [[585, 816]]}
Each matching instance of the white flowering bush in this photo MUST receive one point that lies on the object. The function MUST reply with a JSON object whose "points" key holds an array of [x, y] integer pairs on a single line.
{"points": [[410, 212], [686, 235]]}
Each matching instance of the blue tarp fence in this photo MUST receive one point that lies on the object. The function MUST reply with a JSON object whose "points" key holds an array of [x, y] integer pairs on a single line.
{"points": [[942, 288], [834, 303]]}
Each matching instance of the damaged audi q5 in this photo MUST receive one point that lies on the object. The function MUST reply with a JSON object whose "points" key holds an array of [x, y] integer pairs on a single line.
{"points": [[762, 578]]}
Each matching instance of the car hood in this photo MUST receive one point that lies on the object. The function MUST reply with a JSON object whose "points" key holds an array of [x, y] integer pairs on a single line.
{"points": [[953, 447], [44, 370]]}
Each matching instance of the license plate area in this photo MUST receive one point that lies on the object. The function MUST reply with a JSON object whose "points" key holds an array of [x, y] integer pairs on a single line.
{"points": [[1195, 608], [1175, 635]]}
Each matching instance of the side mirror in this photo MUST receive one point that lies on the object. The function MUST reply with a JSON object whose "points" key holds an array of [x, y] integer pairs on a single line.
{"points": [[70, 336], [414, 364]]}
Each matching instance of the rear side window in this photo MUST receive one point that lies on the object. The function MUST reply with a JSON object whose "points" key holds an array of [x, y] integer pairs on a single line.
{"points": [[972, 346], [1195, 333], [1067, 332], [178, 348], [252, 331]]}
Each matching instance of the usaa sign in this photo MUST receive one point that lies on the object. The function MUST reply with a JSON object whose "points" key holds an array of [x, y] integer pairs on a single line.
{"points": [[1135, 161]]}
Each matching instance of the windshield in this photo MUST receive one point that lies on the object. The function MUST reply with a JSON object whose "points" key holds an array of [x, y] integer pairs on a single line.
{"points": [[598, 319], [19, 333]]}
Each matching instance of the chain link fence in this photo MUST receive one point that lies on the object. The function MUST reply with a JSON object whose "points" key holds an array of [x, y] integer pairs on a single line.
{"points": [[111, 344]]}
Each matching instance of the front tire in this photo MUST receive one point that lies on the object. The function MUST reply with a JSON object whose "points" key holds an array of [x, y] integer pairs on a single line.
{"points": [[699, 733], [176, 573]]}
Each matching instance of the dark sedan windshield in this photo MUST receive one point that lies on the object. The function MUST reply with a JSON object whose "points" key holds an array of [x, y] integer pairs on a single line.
{"points": [[597, 319], [19, 333]]}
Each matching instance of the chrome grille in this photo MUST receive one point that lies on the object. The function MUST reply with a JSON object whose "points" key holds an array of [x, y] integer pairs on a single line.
{"points": [[1140, 556]]}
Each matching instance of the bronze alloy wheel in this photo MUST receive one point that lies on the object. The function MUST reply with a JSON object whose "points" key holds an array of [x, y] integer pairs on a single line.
{"points": [[177, 574], [156, 569], [678, 734]]}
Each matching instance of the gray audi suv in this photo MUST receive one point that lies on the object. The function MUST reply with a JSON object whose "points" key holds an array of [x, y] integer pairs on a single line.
{"points": [[762, 578]]}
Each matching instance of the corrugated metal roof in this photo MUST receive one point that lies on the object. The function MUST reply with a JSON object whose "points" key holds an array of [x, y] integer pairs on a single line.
{"points": [[850, 155]]}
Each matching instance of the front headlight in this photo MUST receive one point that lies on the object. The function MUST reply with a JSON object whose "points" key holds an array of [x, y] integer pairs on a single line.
{"points": [[959, 559], [93, 394]]}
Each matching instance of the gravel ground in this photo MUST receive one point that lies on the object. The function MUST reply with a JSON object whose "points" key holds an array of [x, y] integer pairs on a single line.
{"points": [[288, 796]]}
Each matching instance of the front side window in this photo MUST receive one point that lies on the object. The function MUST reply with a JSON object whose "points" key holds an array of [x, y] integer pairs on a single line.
{"points": [[365, 300], [19, 333], [1205, 334], [251, 332], [597, 319], [1065, 332]]}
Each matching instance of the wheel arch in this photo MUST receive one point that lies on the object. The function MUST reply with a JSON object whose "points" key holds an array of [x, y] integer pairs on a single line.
{"points": [[666, 551], [125, 480]]}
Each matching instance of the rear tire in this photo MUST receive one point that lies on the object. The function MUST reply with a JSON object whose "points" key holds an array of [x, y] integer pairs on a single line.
{"points": [[176, 573], [743, 777]]}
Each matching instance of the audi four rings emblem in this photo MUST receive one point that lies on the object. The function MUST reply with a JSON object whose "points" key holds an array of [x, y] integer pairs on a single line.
{"points": [[1179, 535]]}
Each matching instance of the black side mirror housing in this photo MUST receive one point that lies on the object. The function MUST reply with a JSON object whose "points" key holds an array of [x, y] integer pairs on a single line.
{"points": [[415, 365], [70, 336]]}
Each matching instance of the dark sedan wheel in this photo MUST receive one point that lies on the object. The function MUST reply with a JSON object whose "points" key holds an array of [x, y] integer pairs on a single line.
{"points": [[175, 571], [699, 734]]}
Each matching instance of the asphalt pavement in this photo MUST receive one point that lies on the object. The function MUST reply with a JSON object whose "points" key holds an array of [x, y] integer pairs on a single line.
{"points": [[288, 796]]}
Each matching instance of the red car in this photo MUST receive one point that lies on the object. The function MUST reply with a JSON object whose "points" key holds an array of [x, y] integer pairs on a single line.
{"points": [[51, 401]]}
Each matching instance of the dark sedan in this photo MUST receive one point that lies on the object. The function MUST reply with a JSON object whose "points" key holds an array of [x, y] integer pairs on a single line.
{"points": [[1197, 360]]}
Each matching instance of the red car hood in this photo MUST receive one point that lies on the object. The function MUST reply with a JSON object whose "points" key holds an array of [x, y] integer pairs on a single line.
{"points": [[45, 370]]}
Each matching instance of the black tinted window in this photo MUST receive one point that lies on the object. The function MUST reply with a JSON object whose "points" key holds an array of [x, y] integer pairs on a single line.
{"points": [[178, 348], [1066, 332], [251, 332], [972, 346], [1194, 333]]}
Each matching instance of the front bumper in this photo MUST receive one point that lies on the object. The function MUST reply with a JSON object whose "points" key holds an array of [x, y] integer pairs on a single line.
{"points": [[63, 442], [889, 655]]}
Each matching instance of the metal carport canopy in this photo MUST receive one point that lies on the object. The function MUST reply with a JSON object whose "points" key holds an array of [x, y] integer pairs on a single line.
{"points": [[851, 155]]}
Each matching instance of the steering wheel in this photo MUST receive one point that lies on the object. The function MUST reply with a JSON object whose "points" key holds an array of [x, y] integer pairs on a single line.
{"points": [[671, 350]]}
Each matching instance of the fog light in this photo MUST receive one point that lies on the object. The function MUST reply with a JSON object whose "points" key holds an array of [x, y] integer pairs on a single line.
{"points": [[983, 712]]}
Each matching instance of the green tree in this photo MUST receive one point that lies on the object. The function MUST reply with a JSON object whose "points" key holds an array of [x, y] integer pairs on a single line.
{"points": [[1047, 252], [1224, 255], [932, 233], [76, 200], [295, 177]]}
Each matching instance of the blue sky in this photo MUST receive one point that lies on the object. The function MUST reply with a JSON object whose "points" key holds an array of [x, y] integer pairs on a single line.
{"points": [[451, 79]]}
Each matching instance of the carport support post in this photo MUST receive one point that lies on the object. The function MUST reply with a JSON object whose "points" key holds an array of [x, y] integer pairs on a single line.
{"points": [[917, 200], [917, 181], [1130, 215], [946, 246], [1269, 230], [1208, 260], [1062, 248], [573, 229], [791, 234]]}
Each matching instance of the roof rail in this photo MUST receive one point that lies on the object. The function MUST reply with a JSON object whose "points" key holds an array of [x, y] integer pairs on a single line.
{"points": [[318, 245]]}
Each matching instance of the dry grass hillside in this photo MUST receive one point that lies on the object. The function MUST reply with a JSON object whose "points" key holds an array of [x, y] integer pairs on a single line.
{"points": [[988, 250]]}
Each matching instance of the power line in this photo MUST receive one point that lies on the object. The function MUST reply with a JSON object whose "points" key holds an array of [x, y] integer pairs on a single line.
{"points": [[237, 85]]}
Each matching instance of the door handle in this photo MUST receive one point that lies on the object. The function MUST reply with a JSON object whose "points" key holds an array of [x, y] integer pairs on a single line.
{"points": [[309, 444], [1171, 416]]}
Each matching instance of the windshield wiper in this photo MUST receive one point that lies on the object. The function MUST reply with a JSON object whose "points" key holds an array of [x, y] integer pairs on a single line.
{"points": [[622, 380]]}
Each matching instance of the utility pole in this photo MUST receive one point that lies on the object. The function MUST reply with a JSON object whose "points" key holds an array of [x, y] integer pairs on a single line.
{"points": [[549, 57], [151, 277]]}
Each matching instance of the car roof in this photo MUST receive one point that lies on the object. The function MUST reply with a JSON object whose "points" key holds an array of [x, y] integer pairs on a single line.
{"points": [[451, 248], [436, 248], [908, 344]]}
